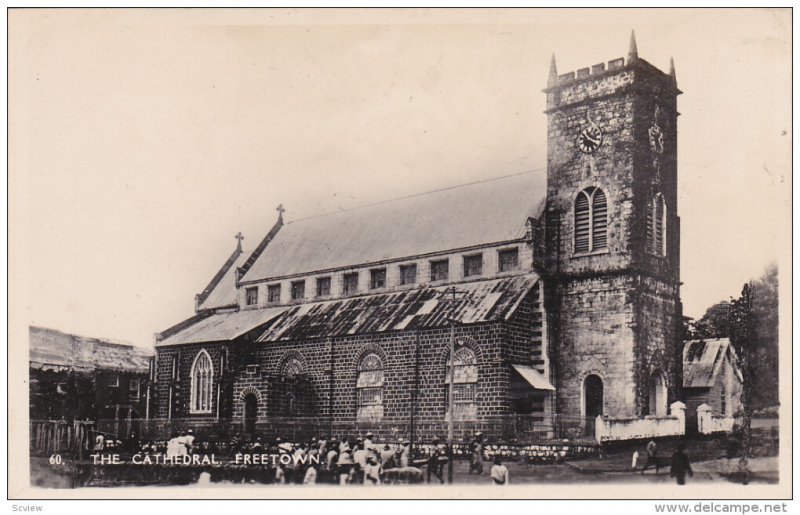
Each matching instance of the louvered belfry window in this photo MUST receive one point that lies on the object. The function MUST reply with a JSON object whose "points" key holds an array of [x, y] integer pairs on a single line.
{"points": [[591, 221], [657, 226]]}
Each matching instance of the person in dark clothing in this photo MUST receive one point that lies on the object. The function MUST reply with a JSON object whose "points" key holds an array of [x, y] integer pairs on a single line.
{"points": [[680, 466], [652, 456], [476, 454], [434, 463]]}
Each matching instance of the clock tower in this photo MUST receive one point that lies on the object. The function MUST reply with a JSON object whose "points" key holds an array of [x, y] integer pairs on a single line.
{"points": [[610, 245]]}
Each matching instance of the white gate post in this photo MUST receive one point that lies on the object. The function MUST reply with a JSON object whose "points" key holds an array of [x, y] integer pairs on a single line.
{"points": [[678, 409], [704, 418]]}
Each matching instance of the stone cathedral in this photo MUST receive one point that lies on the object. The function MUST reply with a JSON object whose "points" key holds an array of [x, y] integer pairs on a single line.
{"points": [[561, 294]]}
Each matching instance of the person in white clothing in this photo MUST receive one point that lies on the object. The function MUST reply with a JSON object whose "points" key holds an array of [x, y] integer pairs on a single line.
{"points": [[189, 441], [499, 472], [368, 441], [372, 471], [311, 476]]}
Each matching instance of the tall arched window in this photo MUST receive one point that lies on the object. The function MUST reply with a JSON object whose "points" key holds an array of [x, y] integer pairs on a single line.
{"points": [[657, 398], [657, 226], [369, 387], [202, 381], [465, 384], [591, 220]]}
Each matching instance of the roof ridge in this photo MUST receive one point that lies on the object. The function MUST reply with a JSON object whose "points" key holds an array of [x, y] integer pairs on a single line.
{"points": [[421, 194], [103, 339], [201, 297]]}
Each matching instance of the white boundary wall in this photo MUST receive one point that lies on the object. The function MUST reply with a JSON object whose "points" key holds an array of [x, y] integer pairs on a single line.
{"points": [[616, 429], [708, 423]]}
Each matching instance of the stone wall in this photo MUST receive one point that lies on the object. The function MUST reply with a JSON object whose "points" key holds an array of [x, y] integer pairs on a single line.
{"points": [[596, 337], [657, 321]]}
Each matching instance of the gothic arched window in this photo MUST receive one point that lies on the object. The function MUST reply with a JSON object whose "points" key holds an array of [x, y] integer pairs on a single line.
{"points": [[591, 220], [657, 226], [369, 387], [202, 381], [465, 384]]}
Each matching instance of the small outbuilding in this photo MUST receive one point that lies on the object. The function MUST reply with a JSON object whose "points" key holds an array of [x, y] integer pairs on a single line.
{"points": [[712, 379]]}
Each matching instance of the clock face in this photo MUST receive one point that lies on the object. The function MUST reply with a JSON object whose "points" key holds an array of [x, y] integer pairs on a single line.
{"points": [[590, 139]]}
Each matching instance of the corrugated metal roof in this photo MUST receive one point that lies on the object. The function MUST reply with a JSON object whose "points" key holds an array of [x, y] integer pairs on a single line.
{"points": [[702, 360], [222, 327], [474, 214], [422, 308], [51, 349], [224, 293], [533, 377]]}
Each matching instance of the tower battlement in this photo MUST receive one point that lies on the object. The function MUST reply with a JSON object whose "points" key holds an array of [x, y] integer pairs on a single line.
{"points": [[588, 72], [608, 71]]}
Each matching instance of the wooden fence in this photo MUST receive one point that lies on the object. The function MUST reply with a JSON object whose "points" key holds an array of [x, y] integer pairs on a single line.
{"points": [[61, 437]]}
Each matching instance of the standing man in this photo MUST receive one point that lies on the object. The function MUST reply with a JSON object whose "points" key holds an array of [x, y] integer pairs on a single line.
{"points": [[405, 454], [360, 458], [332, 457], [368, 441], [680, 466], [434, 464], [188, 441], [476, 454], [652, 456], [180, 444]]}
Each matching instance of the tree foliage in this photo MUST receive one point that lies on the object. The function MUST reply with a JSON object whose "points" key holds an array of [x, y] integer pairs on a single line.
{"points": [[763, 342], [753, 329], [765, 348]]}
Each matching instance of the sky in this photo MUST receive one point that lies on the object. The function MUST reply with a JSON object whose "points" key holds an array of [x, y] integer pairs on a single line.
{"points": [[142, 141]]}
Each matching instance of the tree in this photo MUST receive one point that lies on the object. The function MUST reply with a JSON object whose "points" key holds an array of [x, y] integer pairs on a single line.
{"points": [[765, 349], [713, 324]]}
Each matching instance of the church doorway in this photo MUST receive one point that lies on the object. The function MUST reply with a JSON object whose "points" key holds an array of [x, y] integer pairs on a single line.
{"points": [[250, 413], [592, 401], [657, 394]]}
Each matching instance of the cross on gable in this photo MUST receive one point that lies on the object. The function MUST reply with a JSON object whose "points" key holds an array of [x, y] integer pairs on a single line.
{"points": [[239, 237], [280, 209]]}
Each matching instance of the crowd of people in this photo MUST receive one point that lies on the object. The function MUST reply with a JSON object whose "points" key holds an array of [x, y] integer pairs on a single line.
{"points": [[352, 460]]}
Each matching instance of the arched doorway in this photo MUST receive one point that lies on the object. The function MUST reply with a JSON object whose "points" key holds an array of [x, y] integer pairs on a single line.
{"points": [[250, 413], [592, 401], [657, 388]]}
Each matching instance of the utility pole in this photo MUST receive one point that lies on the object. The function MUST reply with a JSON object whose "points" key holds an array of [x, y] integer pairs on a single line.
{"points": [[415, 394], [452, 408], [451, 383], [330, 389]]}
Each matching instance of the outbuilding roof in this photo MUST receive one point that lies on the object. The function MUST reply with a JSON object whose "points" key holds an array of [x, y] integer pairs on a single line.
{"points": [[703, 359], [56, 350], [474, 214]]}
